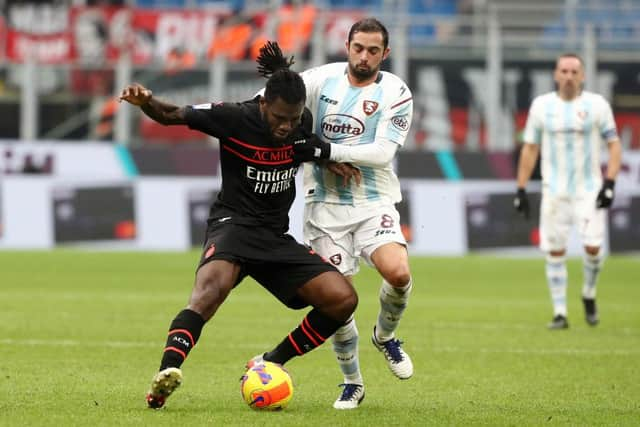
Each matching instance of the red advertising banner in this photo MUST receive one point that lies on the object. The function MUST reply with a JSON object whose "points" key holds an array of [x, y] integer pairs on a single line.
{"points": [[148, 35], [97, 36], [37, 31]]}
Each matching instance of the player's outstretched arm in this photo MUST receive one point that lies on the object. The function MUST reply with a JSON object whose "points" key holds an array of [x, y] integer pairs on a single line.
{"points": [[313, 149], [162, 112]]}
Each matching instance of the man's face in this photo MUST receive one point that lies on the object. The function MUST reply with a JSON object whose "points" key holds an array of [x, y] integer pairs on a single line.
{"points": [[365, 54], [569, 76], [281, 118]]}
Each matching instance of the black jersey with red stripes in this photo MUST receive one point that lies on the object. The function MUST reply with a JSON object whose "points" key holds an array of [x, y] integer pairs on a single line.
{"points": [[258, 173]]}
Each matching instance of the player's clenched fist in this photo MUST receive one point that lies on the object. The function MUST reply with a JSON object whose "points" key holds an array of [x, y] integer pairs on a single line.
{"points": [[136, 94]]}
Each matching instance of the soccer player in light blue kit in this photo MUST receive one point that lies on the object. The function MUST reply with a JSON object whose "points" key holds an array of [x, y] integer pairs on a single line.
{"points": [[364, 114], [570, 126]]}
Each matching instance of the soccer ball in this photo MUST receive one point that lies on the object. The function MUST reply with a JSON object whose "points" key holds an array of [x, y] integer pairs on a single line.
{"points": [[267, 386]]}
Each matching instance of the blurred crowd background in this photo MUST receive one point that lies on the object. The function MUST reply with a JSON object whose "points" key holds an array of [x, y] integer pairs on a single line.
{"points": [[473, 65]]}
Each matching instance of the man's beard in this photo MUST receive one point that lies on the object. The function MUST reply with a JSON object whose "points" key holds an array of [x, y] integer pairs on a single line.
{"points": [[362, 74]]}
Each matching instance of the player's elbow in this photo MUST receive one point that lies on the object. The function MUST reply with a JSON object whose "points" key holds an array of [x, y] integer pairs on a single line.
{"points": [[383, 155]]}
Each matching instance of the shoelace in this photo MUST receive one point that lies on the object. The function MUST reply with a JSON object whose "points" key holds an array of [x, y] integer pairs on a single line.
{"points": [[392, 350], [349, 391]]}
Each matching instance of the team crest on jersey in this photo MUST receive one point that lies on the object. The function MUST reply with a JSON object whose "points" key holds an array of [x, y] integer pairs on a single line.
{"points": [[400, 123], [336, 259], [582, 115], [369, 107]]}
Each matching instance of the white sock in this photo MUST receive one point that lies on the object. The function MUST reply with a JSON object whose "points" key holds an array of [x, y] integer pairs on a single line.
{"points": [[556, 270], [591, 265], [345, 347], [393, 302]]}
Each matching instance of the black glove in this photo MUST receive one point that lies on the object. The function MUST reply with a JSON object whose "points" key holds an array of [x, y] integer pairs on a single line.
{"points": [[521, 202], [310, 149], [605, 196]]}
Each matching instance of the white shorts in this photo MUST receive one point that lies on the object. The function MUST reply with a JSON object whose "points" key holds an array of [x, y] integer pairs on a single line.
{"points": [[342, 234], [558, 214]]}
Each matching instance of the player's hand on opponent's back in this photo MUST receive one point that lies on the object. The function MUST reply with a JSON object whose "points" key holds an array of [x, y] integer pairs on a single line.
{"points": [[346, 171], [310, 149], [521, 202], [135, 94], [605, 196]]}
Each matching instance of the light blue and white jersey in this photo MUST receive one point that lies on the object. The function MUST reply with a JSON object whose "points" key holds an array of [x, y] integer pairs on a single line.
{"points": [[572, 134], [344, 114]]}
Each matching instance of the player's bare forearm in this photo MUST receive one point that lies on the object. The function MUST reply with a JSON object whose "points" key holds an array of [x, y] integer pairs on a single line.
{"points": [[163, 112], [528, 156], [615, 159]]}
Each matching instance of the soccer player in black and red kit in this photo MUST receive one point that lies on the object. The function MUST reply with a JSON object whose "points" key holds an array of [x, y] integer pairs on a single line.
{"points": [[247, 226]]}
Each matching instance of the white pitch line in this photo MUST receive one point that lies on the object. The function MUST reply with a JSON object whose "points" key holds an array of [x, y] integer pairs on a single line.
{"points": [[253, 345], [108, 344], [519, 326], [541, 351], [75, 343]]}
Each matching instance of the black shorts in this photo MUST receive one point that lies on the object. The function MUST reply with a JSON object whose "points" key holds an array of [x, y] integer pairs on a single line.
{"points": [[275, 260]]}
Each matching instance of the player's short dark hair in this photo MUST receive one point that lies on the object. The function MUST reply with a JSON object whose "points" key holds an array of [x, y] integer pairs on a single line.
{"points": [[370, 25], [286, 85]]}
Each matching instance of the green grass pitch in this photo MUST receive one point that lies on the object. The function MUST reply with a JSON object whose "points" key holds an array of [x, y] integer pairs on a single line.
{"points": [[82, 334]]}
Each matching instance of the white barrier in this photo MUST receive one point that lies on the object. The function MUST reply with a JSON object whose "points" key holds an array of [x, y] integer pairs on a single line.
{"points": [[162, 218], [32, 207]]}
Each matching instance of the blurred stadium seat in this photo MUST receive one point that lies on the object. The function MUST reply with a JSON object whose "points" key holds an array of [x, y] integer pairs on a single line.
{"points": [[435, 10]]}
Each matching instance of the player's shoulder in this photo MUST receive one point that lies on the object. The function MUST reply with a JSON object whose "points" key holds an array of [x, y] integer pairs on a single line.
{"points": [[594, 97], [232, 111], [390, 80], [546, 97], [395, 91], [543, 100], [220, 104]]}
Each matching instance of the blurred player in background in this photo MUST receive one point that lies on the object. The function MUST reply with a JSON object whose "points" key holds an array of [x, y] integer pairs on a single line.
{"points": [[570, 126], [362, 116], [247, 226]]}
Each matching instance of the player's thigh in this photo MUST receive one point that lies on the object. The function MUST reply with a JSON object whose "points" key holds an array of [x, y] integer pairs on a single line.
{"points": [[328, 289], [214, 281], [379, 229], [590, 222], [288, 270], [556, 219]]}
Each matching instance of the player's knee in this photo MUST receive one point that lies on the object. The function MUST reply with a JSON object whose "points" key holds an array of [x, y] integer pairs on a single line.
{"points": [[399, 276], [592, 250], [346, 303]]}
